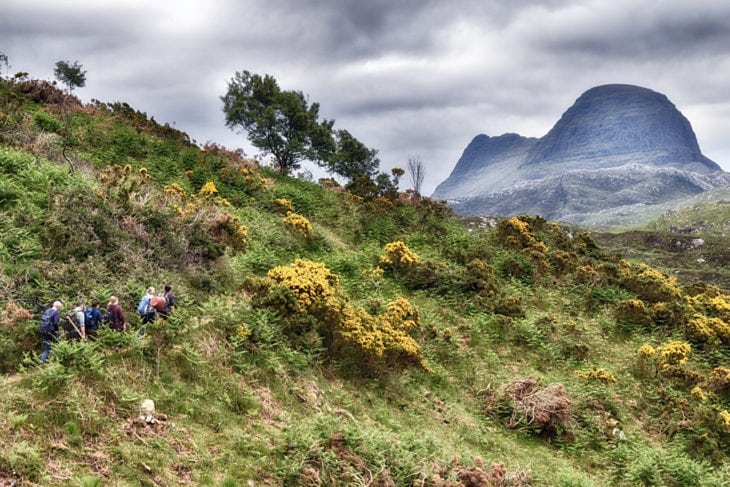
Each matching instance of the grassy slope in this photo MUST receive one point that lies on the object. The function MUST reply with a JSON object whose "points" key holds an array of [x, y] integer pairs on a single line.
{"points": [[277, 410]]}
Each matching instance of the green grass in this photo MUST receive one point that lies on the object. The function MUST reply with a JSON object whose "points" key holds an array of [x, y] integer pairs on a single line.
{"points": [[251, 393]]}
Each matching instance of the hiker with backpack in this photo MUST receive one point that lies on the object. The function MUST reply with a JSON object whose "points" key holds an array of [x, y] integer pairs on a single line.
{"points": [[114, 315], [167, 306], [145, 309], [74, 323], [49, 328], [92, 318]]}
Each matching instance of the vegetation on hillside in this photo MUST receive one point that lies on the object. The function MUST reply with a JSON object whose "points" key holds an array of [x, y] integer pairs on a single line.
{"points": [[327, 336]]}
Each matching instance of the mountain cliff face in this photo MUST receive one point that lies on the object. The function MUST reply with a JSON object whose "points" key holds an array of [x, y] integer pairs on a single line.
{"points": [[618, 145]]}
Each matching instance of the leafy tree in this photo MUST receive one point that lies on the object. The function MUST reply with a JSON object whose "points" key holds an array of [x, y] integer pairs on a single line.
{"points": [[352, 158], [382, 185], [416, 172], [281, 123], [70, 75]]}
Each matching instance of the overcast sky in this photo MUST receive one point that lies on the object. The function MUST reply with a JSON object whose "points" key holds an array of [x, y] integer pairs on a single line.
{"points": [[406, 77]]}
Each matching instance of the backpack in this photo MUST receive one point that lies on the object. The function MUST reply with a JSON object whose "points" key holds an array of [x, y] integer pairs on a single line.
{"points": [[143, 307], [159, 303], [107, 317], [47, 321], [89, 318]]}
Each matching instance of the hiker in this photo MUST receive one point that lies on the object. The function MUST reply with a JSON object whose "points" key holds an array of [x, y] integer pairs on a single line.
{"points": [[115, 315], [92, 318], [74, 323], [49, 328], [145, 309], [169, 302]]}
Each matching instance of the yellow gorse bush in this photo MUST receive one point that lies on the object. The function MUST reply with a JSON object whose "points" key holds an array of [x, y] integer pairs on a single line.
{"points": [[298, 225], [516, 233], [648, 283], [673, 354], [387, 333], [712, 303], [312, 282], [208, 190], [316, 290], [712, 330], [720, 379], [699, 394], [600, 375], [399, 256], [175, 190], [646, 351], [283, 205]]}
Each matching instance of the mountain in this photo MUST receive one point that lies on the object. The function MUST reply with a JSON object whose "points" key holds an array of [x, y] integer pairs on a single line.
{"points": [[616, 146]]}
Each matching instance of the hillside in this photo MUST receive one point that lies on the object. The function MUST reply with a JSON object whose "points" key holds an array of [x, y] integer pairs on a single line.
{"points": [[328, 338]]}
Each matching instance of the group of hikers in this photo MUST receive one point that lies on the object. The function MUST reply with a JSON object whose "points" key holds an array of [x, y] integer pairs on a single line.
{"points": [[82, 322]]}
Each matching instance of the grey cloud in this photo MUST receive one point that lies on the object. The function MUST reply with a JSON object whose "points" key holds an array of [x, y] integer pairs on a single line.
{"points": [[406, 77]]}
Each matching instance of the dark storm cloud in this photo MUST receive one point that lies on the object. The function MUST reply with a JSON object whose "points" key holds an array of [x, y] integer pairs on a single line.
{"points": [[641, 30]]}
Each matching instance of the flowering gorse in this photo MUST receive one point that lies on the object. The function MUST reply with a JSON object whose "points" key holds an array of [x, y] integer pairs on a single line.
{"points": [[515, 232], [672, 356], [599, 375], [398, 256], [283, 205], [649, 284], [298, 225], [312, 283], [316, 295]]}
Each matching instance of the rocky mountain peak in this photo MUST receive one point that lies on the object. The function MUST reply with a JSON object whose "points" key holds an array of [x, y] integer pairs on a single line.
{"points": [[615, 141]]}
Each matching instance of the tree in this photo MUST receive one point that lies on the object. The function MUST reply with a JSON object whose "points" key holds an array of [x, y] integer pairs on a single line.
{"points": [[416, 172], [70, 75], [351, 158], [280, 123]]}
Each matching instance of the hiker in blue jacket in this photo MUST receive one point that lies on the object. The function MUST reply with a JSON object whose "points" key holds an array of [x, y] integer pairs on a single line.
{"points": [[145, 310], [49, 328], [92, 319]]}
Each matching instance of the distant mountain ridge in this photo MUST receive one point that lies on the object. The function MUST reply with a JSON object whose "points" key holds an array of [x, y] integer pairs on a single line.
{"points": [[617, 145]]}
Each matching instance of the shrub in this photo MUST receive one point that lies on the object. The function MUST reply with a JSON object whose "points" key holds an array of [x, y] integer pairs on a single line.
{"points": [[298, 225], [480, 278], [633, 313], [649, 284], [719, 380], [47, 123], [311, 282], [308, 292], [543, 410], [672, 357], [283, 205], [724, 420], [711, 330], [515, 265], [516, 234], [599, 375], [398, 256]]}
